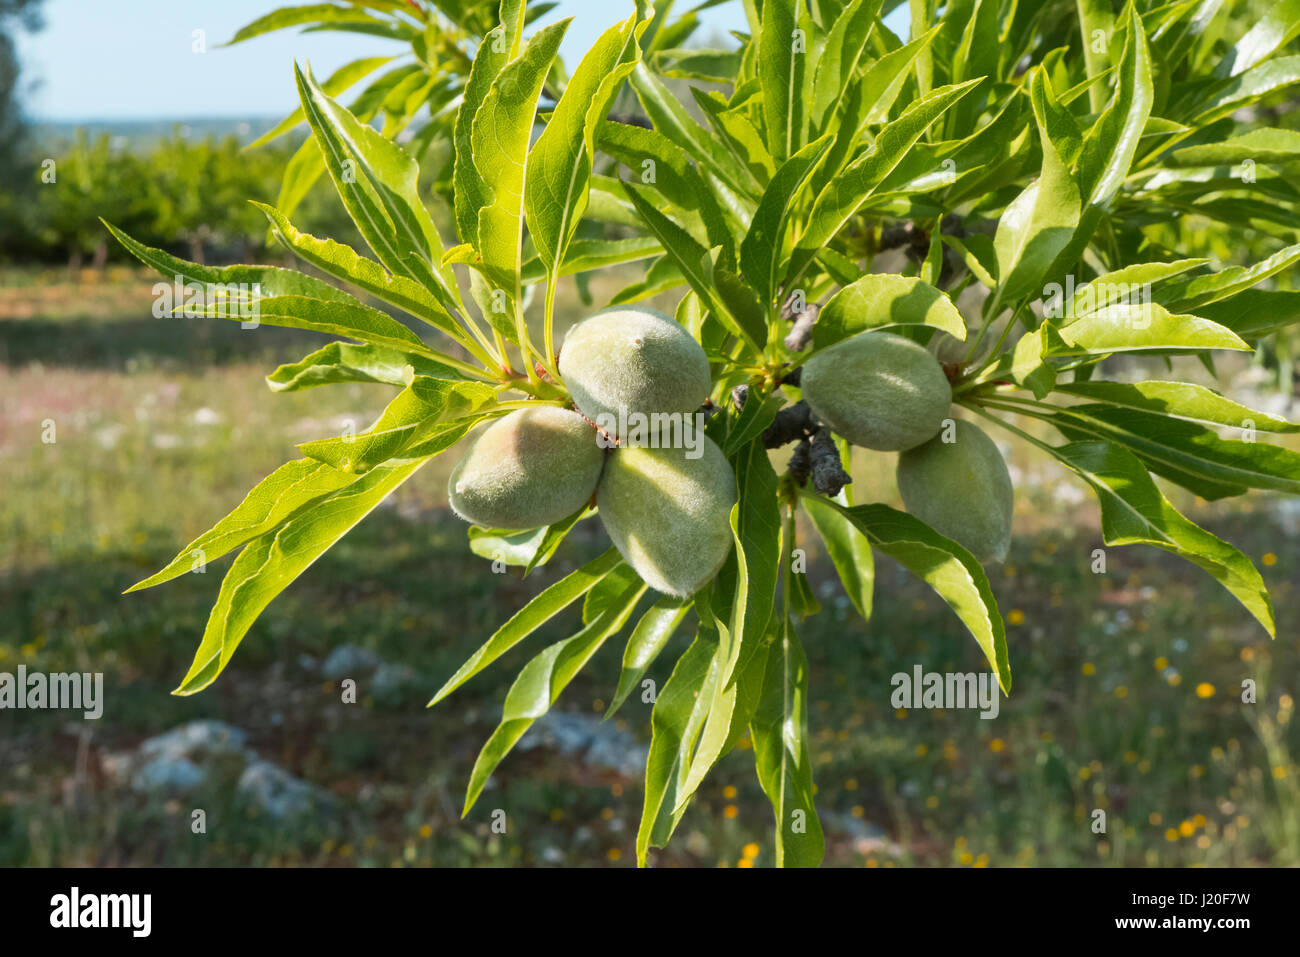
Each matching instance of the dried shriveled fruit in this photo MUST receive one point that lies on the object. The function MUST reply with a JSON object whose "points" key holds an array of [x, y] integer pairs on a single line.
{"points": [[669, 514], [878, 390], [530, 468], [961, 489], [633, 361]]}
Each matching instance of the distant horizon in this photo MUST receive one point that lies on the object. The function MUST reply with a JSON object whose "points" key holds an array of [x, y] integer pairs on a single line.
{"points": [[103, 120]]}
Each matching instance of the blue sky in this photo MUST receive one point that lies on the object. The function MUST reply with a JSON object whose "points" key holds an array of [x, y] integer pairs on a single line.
{"points": [[133, 59]]}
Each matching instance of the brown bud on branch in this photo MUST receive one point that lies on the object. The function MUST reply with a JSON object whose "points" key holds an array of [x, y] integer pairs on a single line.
{"points": [[792, 422], [828, 475]]}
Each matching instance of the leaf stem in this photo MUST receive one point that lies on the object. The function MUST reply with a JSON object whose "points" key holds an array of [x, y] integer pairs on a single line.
{"points": [[989, 313], [526, 349], [548, 361], [480, 347], [979, 410], [528, 403], [787, 565], [463, 367]]}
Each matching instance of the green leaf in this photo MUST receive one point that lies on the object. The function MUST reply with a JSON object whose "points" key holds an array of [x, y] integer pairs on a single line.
{"points": [[695, 265], [803, 603], [290, 488], [943, 565], [1202, 290], [559, 173], [320, 315], [845, 49], [239, 284], [781, 74], [270, 562], [651, 634], [741, 138], [1255, 312], [661, 276], [879, 300], [759, 528], [356, 362], [1181, 400], [750, 423], [766, 244], [342, 262], [1128, 282], [735, 305], [671, 119], [301, 173], [1133, 512], [555, 535], [1027, 365], [1184, 452], [977, 253], [504, 545], [541, 609], [1266, 147], [500, 137], [1095, 16], [307, 165], [587, 254], [849, 552], [842, 197], [1243, 90], [1277, 23], [529, 549], [675, 723], [1138, 326], [1055, 121], [674, 176], [386, 29], [751, 574], [932, 265], [499, 47], [360, 453], [712, 66], [1036, 226], [1110, 144], [779, 730], [377, 183], [539, 685], [428, 416], [727, 656], [606, 591], [340, 80], [307, 14]]}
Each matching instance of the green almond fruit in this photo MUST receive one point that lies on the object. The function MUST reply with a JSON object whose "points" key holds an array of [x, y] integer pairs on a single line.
{"points": [[878, 390], [961, 489], [530, 468], [632, 361], [668, 514]]}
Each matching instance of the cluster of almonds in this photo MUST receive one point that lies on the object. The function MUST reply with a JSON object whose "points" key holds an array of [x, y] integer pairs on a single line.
{"points": [[666, 509], [885, 392]]}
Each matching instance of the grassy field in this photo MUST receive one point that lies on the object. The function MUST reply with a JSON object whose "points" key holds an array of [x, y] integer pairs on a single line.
{"points": [[1127, 684]]}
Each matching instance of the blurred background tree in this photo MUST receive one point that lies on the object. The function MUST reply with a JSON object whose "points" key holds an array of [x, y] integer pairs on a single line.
{"points": [[14, 15], [15, 166]]}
